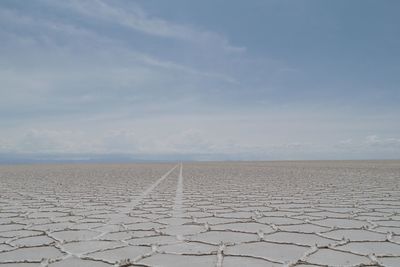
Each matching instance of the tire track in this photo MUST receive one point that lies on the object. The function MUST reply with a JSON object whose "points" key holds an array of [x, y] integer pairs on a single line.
{"points": [[123, 211], [136, 200], [177, 209]]}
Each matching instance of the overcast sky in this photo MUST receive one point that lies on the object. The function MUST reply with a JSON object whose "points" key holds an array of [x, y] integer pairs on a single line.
{"points": [[257, 79]]}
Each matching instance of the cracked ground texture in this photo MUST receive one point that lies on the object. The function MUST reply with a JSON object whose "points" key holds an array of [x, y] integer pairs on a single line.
{"points": [[233, 214]]}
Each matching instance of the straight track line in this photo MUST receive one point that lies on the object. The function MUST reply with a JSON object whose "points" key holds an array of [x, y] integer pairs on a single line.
{"points": [[136, 200], [178, 210]]}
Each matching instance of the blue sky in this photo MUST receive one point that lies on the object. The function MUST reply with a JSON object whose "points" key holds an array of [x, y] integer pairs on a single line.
{"points": [[218, 79]]}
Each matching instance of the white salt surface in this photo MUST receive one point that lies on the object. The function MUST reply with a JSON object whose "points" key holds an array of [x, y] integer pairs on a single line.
{"points": [[339, 213]]}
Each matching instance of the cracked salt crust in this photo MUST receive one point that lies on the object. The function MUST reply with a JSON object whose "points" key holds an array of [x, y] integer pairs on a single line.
{"points": [[294, 214]]}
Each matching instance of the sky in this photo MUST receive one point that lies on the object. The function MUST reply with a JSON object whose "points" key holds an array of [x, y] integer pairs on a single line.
{"points": [[202, 80]]}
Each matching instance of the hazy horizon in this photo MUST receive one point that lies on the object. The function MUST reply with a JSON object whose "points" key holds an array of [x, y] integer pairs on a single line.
{"points": [[205, 80], [63, 158]]}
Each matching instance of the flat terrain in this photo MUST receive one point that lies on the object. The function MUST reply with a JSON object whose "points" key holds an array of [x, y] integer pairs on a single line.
{"points": [[316, 213]]}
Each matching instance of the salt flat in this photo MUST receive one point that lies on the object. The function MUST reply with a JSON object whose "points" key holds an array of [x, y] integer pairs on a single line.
{"points": [[315, 213]]}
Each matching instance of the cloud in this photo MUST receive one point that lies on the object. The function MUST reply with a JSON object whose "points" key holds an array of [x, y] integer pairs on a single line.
{"points": [[5, 145], [137, 19], [376, 141], [125, 141], [49, 141], [190, 141], [370, 143], [109, 77], [73, 141], [55, 66], [43, 34], [119, 141]]}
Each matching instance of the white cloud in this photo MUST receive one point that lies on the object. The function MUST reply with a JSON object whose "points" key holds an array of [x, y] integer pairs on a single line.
{"points": [[373, 143], [119, 141], [190, 141], [346, 142], [73, 141], [49, 141], [48, 29], [5, 145], [137, 19], [70, 78], [376, 141], [165, 138], [47, 56], [126, 141]]}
